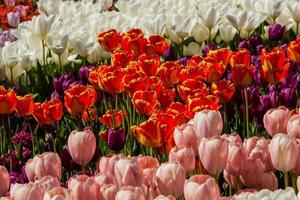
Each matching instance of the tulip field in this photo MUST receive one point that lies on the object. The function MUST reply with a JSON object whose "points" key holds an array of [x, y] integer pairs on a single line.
{"points": [[150, 100]]}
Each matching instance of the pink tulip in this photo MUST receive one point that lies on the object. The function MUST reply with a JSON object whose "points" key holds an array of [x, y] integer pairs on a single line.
{"points": [[296, 169], [284, 152], [130, 193], [48, 182], [275, 120], [162, 197], [170, 179], [213, 154], [232, 138], [236, 159], [128, 172], [269, 181], [253, 166], [208, 123], [42, 165], [58, 193], [150, 180], [201, 187], [13, 19], [293, 126], [185, 156], [298, 183], [104, 179], [27, 191], [4, 180], [257, 147], [185, 135], [106, 164], [147, 162], [82, 146], [109, 191], [231, 179], [84, 187], [10, 3]]}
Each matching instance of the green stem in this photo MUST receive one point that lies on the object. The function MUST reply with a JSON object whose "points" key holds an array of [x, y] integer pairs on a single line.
{"points": [[11, 76], [247, 112], [226, 127], [60, 66], [294, 182], [44, 53], [286, 179]]}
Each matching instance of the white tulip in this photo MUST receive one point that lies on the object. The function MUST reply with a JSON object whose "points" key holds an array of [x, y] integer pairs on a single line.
{"points": [[227, 32], [96, 53], [42, 25], [238, 21], [58, 44], [192, 49], [200, 33], [294, 9]]}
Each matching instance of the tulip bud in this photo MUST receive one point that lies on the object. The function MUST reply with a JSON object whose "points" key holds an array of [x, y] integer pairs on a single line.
{"points": [[116, 138], [82, 146], [276, 31]]}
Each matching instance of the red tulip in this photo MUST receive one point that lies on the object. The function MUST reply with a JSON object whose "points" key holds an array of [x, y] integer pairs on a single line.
{"points": [[7, 101], [294, 50], [223, 89], [149, 63], [144, 101], [169, 72], [108, 118], [109, 40], [25, 105]]}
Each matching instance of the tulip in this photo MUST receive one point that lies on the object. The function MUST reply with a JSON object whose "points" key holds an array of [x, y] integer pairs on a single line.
{"points": [[27, 191], [227, 32], [169, 72], [185, 156], [48, 182], [208, 123], [116, 138], [288, 97], [293, 126], [42, 165], [58, 44], [58, 193], [231, 179], [162, 197], [276, 31], [211, 70], [104, 179], [7, 101], [4, 180], [198, 103], [144, 101], [284, 152], [25, 105], [109, 191], [274, 66], [213, 154], [52, 110], [224, 89], [149, 63], [191, 86], [108, 119], [158, 43], [42, 25], [275, 120], [146, 162], [82, 146], [236, 159], [166, 97], [170, 179], [269, 181], [134, 82], [208, 47], [121, 59], [133, 41], [298, 183], [10, 3], [253, 165], [185, 135], [294, 50], [201, 187], [130, 193], [109, 40], [13, 19], [128, 172], [106, 165], [78, 98], [84, 187]]}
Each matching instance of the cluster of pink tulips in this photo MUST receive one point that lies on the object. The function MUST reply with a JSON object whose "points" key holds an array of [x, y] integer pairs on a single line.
{"points": [[195, 164]]}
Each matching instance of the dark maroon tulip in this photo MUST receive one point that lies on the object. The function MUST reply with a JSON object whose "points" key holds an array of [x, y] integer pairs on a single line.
{"points": [[255, 40], [116, 138], [169, 54], [288, 97], [276, 31], [254, 97]]}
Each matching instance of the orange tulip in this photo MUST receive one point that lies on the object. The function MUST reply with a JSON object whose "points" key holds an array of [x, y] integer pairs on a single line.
{"points": [[8, 101], [108, 117], [242, 74], [154, 83], [134, 82], [89, 114], [167, 124], [38, 113], [194, 61], [189, 86], [211, 70], [158, 43], [191, 72], [25, 105], [133, 41], [121, 58], [223, 89], [275, 66], [169, 72], [148, 133], [166, 96], [242, 56], [178, 110], [221, 56], [109, 40], [144, 101], [78, 98], [52, 110], [294, 50], [196, 104], [149, 63]]}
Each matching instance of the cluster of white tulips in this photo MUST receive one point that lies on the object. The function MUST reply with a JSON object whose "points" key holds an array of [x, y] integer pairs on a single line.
{"points": [[67, 30]]}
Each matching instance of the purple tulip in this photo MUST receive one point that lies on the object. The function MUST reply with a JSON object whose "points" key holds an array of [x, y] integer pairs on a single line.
{"points": [[254, 97], [290, 81], [22, 10], [169, 54], [276, 31], [259, 48], [288, 97], [116, 138], [66, 160], [55, 95], [245, 44], [23, 138], [207, 48], [84, 73], [63, 82], [183, 60], [255, 40], [13, 19]]}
